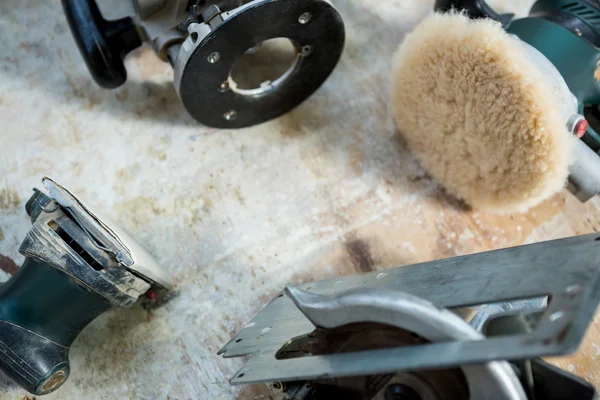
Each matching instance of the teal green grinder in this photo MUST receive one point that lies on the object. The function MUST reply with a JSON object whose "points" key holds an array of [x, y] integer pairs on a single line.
{"points": [[76, 267], [566, 35]]}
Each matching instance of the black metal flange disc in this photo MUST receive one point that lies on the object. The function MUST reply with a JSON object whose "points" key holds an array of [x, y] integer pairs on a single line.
{"points": [[201, 89]]}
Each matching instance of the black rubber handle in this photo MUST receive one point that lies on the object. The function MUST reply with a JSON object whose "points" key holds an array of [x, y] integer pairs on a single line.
{"points": [[32, 361], [103, 44], [474, 9], [42, 310]]}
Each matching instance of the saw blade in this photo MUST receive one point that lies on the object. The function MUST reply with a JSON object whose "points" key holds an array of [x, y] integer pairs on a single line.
{"points": [[442, 384]]}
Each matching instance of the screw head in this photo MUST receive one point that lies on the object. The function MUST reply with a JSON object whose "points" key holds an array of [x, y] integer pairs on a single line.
{"points": [[213, 57], [224, 86], [230, 115], [306, 50], [305, 18], [276, 387]]}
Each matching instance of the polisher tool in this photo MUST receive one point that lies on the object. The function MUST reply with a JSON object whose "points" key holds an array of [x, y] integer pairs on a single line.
{"points": [[431, 331], [76, 267], [203, 39], [503, 111]]}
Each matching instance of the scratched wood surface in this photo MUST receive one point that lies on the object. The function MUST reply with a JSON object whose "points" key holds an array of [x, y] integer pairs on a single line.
{"points": [[327, 190]]}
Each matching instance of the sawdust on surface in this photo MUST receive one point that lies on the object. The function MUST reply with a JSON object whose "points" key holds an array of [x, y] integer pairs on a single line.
{"points": [[9, 200], [139, 209], [328, 190]]}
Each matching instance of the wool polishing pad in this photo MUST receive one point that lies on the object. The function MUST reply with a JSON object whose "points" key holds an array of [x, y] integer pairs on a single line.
{"points": [[479, 114]]}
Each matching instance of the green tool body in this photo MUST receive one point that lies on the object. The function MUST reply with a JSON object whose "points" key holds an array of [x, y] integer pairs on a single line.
{"points": [[71, 274], [30, 299], [42, 310], [568, 34]]}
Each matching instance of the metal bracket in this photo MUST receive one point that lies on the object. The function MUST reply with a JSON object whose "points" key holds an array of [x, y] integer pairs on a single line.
{"points": [[566, 271], [212, 16]]}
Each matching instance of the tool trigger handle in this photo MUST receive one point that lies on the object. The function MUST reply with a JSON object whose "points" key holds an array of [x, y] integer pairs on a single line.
{"points": [[102, 43], [42, 310], [37, 364]]}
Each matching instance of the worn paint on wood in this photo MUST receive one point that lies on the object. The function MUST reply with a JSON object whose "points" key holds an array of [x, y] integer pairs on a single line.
{"points": [[327, 190]]}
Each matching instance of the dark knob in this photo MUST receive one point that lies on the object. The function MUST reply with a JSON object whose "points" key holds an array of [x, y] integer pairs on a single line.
{"points": [[400, 391], [103, 44], [474, 9]]}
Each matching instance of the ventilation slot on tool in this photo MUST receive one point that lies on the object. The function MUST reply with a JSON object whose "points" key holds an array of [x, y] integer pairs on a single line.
{"points": [[567, 6], [87, 257], [587, 14], [574, 9]]}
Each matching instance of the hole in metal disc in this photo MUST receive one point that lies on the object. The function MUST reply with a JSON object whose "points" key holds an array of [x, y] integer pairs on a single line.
{"points": [[266, 330], [264, 67], [557, 316], [194, 36]]}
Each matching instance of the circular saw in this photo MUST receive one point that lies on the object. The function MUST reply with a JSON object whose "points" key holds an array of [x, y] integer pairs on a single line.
{"points": [[471, 327]]}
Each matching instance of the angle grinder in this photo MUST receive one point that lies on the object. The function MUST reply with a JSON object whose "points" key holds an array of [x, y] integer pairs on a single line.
{"points": [[567, 33], [510, 107], [76, 267], [202, 41]]}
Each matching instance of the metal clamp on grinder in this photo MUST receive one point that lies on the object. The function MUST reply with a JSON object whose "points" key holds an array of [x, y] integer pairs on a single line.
{"points": [[76, 267], [563, 37], [203, 39], [463, 328]]}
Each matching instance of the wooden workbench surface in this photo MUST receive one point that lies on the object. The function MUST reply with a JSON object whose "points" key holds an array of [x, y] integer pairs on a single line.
{"points": [[327, 190]]}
